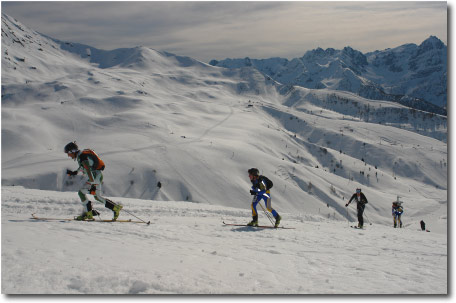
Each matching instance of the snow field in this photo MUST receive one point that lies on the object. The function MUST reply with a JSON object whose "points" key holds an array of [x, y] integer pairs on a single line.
{"points": [[187, 250]]}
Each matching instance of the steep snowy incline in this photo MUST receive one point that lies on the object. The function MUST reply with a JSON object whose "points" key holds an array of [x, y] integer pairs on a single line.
{"points": [[187, 250], [157, 118]]}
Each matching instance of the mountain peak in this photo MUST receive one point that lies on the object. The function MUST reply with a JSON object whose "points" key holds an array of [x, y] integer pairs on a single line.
{"points": [[432, 43], [357, 57]]}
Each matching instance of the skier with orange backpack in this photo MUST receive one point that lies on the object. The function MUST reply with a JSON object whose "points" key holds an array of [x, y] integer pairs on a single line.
{"points": [[92, 166]]}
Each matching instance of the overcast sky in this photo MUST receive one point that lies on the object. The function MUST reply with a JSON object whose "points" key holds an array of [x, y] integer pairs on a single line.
{"points": [[219, 30]]}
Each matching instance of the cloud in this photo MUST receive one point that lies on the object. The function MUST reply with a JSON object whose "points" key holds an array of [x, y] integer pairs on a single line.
{"points": [[217, 30]]}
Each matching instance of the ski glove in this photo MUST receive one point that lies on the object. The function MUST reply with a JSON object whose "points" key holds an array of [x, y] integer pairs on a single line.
{"points": [[93, 189], [252, 192], [72, 173]]}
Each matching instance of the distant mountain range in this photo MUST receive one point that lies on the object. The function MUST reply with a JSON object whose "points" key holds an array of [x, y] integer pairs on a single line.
{"points": [[412, 75]]}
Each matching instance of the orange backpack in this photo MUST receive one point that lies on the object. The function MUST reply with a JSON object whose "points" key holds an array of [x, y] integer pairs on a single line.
{"points": [[98, 164]]}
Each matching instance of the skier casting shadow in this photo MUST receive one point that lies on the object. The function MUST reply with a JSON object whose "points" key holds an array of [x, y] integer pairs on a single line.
{"points": [[361, 202], [92, 166], [261, 186]]}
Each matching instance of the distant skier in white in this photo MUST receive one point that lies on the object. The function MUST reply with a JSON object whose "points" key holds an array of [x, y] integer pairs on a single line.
{"points": [[92, 166], [361, 202]]}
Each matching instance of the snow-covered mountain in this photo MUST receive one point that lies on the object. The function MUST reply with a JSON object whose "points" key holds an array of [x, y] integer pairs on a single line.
{"points": [[159, 118], [196, 129], [413, 75]]}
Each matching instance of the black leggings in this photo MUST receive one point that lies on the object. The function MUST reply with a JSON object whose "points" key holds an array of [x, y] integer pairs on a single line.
{"points": [[360, 214]]}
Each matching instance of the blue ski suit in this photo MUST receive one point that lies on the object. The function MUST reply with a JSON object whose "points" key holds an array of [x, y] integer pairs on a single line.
{"points": [[397, 211], [261, 193]]}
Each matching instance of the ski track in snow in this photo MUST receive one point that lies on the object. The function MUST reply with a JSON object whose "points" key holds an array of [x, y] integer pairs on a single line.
{"points": [[187, 250]]}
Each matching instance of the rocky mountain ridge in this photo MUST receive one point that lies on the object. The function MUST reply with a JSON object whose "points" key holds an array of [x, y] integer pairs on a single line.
{"points": [[412, 75]]}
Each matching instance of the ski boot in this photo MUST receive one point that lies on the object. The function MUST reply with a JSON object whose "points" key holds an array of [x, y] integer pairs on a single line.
{"points": [[85, 216], [254, 221], [116, 209], [277, 222]]}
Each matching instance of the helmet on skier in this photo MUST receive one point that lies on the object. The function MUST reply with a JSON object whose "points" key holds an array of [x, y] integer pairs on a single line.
{"points": [[254, 171], [71, 147], [358, 190]]}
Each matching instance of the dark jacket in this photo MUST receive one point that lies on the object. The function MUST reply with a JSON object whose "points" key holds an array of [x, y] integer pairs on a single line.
{"points": [[260, 186], [361, 202]]}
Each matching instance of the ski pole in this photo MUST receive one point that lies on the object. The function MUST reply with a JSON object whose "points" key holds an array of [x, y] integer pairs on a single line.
{"points": [[267, 215], [348, 220], [137, 217], [370, 223], [131, 213]]}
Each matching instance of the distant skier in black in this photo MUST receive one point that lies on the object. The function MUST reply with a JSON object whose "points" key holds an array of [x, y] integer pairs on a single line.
{"points": [[361, 202], [261, 186], [423, 225]]}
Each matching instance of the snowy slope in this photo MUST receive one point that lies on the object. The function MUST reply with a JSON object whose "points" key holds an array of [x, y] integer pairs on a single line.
{"points": [[158, 117], [187, 250]]}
